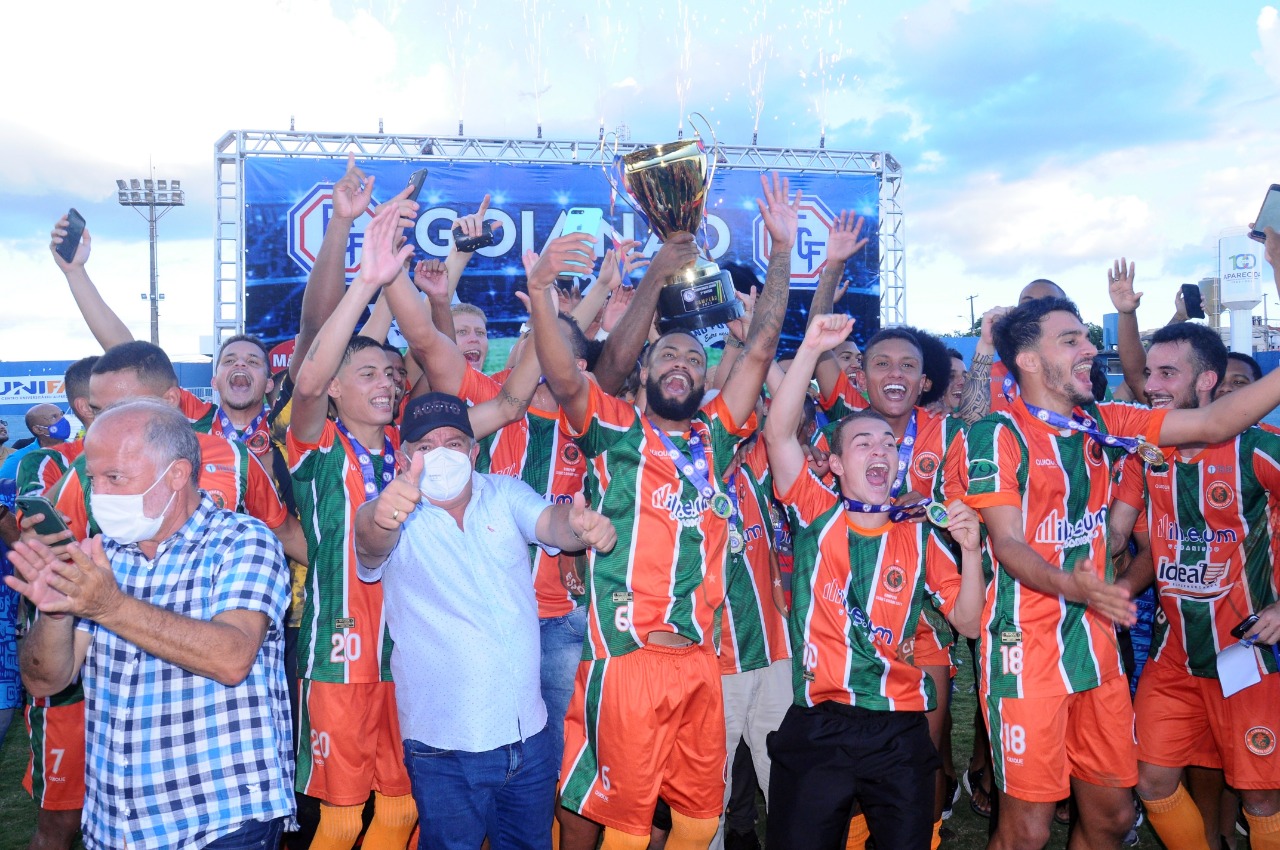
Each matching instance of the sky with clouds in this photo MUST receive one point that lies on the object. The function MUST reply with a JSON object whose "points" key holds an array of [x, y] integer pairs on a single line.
{"points": [[1037, 139]]}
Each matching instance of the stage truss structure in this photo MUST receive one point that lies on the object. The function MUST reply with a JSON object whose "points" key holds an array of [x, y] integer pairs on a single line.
{"points": [[235, 147]]}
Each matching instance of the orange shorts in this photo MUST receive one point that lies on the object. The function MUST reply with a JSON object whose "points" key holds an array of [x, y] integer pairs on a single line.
{"points": [[55, 771], [349, 742], [1184, 719], [644, 725], [1040, 743], [927, 649]]}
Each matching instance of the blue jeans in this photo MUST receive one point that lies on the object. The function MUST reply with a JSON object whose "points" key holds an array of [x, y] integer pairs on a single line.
{"points": [[561, 651], [253, 835], [506, 793]]}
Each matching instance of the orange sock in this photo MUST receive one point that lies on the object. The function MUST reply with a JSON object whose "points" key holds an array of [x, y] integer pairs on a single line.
{"points": [[339, 827], [393, 820], [1264, 831], [1177, 821], [937, 835], [858, 833]]}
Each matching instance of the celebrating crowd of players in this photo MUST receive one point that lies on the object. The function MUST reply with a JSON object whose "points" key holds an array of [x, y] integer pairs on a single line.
{"points": [[797, 553]]}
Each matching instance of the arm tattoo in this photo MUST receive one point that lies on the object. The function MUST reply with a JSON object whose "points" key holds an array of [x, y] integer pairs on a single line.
{"points": [[771, 306], [507, 398], [975, 396]]}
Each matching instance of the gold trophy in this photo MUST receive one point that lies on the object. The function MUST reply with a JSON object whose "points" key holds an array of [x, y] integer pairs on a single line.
{"points": [[667, 186]]}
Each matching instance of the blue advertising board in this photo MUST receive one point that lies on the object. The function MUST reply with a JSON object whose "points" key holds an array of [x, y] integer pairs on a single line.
{"points": [[288, 203]]}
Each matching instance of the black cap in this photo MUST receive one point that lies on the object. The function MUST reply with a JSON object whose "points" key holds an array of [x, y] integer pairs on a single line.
{"points": [[432, 411]]}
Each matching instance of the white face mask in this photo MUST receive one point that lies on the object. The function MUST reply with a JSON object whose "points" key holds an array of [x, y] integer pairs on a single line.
{"points": [[123, 518], [445, 472]]}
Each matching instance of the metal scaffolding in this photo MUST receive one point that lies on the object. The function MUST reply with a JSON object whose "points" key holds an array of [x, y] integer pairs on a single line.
{"points": [[231, 151]]}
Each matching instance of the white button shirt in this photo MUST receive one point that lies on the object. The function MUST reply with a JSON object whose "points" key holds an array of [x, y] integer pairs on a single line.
{"points": [[460, 607]]}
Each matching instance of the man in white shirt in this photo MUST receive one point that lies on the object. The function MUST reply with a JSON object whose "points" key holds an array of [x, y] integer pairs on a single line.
{"points": [[451, 546]]}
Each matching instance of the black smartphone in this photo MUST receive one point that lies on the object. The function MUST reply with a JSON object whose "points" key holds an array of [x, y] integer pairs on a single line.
{"points": [[416, 179], [75, 230], [1243, 629], [467, 244], [1268, 216], [1192, 301], [51, 523]]}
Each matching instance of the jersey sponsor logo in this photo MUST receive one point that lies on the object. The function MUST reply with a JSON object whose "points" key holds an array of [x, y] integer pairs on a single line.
{"points": [[752, 533], [832, 592], [1064, 533], [1219, 494], [1260, 740], [926, 464], [687, 513], [1195, 581], [981, 469], [1220, 469], [1171, 530], [1045, 461], [894, 578]]}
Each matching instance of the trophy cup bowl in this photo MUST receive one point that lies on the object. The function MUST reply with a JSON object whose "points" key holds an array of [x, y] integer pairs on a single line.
{"points": [[667, 185]]}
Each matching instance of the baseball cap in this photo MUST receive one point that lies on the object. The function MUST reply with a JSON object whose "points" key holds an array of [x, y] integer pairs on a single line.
{"points": [[432, 411]]}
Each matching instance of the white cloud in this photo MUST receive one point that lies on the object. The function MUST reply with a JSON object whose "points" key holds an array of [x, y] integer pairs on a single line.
{"points": [[1269, 37]]}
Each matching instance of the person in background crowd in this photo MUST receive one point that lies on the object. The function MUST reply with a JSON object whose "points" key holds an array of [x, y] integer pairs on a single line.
{"points": [[40, 470]]}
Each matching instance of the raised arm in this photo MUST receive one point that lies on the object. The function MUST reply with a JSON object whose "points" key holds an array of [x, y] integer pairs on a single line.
{"points": [[787, 460], [1226, 417], [379, 323], [566, 382], [379, 265], [621, 349], [574, 527], [975, 395], [608, 281], [104, 324], [1133, 357], [327, 281], [781, 218], [513, 397]]}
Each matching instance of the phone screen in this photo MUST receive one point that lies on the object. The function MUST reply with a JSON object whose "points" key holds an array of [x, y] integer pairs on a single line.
{"points": [[75, 230], [1269, 215]]}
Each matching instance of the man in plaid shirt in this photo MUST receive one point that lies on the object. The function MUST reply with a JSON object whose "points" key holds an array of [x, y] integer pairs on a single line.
{"points": [[177, 632]]}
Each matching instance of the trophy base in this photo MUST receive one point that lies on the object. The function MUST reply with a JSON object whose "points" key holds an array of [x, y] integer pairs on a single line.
{"points": [[704, 297]]}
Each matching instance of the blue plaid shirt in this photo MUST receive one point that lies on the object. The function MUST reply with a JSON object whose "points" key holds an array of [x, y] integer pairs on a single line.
{"points": [[174, 759]]}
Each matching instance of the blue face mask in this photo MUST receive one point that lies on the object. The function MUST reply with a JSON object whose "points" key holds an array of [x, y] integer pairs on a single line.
{"points": [[61, 430]]}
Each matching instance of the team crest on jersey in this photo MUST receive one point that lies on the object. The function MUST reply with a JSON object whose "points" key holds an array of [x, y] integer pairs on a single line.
{"points": [[982, 468], [258, 442], [1260, 740], [1219, 494], [219, 498], [1093, 452], [926, 464], [894, 578], [571, 454]]}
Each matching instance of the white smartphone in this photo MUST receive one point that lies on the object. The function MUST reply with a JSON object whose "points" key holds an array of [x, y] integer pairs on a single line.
{"points": [[584, 220], [1269, 215]]}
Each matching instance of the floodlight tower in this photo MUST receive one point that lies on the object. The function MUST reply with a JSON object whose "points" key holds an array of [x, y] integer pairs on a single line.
{"points": [[152, 199]]}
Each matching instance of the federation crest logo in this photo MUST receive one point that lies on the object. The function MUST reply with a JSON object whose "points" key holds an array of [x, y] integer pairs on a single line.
{"points": [[307, 221], [894, 578], [1219, 494], [1260, 740], [809, 255], [926, 464]]}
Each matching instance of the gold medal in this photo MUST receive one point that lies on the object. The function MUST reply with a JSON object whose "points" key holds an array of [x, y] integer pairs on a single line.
{"points": [[735, 541], [1150, 453], [722, 505], [938, 515]]}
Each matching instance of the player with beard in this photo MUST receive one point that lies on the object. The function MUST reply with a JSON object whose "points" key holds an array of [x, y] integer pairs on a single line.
{"points": [[1211, 558], [857, 730], [1051, 678], [647, 718]]}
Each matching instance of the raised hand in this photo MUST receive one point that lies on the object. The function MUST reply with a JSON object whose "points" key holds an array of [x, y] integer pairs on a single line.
{"points": [[676, 254], [962, 523], [590, 527], [407, 209], [989, 318], [82, 250], [616, 307], [473, 224], [827, 331], [781, 217], [399, 499], [561, 256], [1120, 286], [432, 278], [352, 193], [845, 240], [380, 261], [739, 326]]}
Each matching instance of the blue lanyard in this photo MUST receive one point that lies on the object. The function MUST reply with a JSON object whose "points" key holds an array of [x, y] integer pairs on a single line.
{"points": [[1009, 388], [230, 431], [731, 487], [694, 470], [897, 513], [371, 487], [1275, 651], [905, 450], [1084, 425]]}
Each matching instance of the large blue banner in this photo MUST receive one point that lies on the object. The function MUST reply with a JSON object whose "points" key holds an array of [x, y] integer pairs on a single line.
{"points": [[288, 205]]}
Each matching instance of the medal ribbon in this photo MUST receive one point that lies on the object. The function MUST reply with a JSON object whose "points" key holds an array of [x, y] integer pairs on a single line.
{"points": [[905, 450], [1085, 425], [229, 431], [371, 485], [897, 513], [694, 470], [1009, 388]]}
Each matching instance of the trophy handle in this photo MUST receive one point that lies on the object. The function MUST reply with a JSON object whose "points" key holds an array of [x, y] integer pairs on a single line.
{"points": [[614, 177], [715, 144]]}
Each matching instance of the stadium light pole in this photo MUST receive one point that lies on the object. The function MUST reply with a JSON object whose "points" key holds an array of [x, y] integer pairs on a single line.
{"points": [[152, 199]]}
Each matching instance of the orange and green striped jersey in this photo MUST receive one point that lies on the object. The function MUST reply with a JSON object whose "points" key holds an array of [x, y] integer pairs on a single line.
{"points": [[201, 414], [1211, 543], [343, 636], [39, 470], [1035, 644], [753, 632], [667, 571], [856, 597], [535, 450], [843, 399]]}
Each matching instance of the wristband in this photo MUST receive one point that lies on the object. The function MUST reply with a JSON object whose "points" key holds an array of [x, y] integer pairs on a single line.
{"points": [[732, 340]]}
